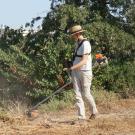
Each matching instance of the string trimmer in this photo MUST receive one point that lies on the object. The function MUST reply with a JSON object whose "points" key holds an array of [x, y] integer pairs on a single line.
{"points": [[32, 112]]}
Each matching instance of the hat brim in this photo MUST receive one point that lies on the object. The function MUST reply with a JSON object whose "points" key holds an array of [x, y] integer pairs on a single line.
{"points": [[80, 31]]}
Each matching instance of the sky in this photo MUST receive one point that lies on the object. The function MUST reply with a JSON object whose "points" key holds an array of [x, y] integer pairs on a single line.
{"points": [[14, 13]]}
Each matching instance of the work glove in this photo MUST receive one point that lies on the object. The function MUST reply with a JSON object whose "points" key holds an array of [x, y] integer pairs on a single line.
{"points": [[66, 69]]}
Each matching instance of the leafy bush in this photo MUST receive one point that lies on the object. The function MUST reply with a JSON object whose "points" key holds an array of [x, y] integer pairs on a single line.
{"points": [[38, 59]]}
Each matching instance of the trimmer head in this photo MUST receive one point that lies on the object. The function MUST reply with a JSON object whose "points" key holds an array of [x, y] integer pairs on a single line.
{"points": [[32, 113]]}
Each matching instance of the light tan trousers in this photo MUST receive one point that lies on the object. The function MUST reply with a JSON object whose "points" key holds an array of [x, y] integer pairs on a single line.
{"points": [[82, 83]]}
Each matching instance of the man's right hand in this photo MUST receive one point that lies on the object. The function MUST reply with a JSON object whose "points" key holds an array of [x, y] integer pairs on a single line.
{"points": [[66, 69]]}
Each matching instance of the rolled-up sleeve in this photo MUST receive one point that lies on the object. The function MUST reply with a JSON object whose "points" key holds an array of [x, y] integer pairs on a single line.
{"points": [[85, 48]]}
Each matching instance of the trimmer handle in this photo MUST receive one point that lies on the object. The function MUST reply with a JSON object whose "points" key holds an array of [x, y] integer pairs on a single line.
{"points": [[69, 75]]}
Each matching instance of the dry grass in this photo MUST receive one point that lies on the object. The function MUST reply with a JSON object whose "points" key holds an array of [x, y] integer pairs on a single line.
{"points": [[117, 117]]}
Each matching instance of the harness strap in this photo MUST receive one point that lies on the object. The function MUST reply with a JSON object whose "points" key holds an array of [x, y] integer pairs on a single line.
{"points": [[82, 55]]}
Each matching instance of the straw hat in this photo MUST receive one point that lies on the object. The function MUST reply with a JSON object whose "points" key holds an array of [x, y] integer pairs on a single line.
{"points": [[76, 29]]}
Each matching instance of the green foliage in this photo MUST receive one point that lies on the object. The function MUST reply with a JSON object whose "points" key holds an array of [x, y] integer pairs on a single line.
{"points": [[116, 77], [10, 37], [64, 17], [39, 58], [120, 50], [130, 14], [45, 71], [15, 65], [118, 45]]}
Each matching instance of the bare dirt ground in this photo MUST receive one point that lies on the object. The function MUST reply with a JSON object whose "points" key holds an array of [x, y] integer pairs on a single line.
{"points": [[115, 118]]}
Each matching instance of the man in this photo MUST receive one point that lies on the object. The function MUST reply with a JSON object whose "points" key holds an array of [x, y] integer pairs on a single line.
{"points": [[82, 72]]}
